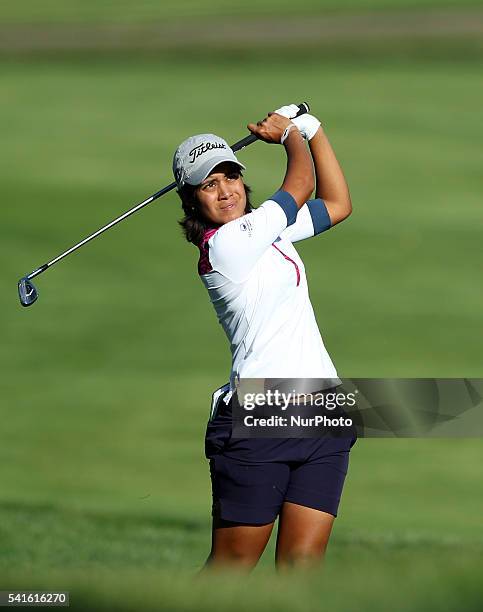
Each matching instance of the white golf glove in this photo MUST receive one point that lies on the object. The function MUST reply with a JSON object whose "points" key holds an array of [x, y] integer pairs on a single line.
{"points": [[307, 124], [289, 111]]}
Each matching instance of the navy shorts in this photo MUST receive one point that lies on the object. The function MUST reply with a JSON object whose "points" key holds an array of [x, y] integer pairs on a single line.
{"points": [[252, 478]]}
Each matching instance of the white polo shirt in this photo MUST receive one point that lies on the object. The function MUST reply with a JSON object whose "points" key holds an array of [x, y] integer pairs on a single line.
{"points": [[257, 285]]}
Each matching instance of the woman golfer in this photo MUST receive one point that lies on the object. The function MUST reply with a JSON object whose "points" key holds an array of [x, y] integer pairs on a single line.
{"points": [[257, 284]]}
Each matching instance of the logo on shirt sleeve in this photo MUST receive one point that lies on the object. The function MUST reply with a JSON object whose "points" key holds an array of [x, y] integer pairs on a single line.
{"points": [[246, 225]]}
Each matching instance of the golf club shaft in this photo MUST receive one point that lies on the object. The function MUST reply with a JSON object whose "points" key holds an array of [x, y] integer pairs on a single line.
{"points": [[304, 108], [103, 229]]}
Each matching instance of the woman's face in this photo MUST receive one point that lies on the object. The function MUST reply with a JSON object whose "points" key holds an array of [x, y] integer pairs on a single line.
{"points": [[221, 196]]}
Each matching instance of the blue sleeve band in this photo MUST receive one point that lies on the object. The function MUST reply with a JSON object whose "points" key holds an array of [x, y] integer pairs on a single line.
{"points": [[320, 216], [287, 204]]}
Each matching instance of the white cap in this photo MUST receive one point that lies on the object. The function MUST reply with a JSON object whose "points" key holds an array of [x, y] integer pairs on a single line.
{"points": [[196, 157]]}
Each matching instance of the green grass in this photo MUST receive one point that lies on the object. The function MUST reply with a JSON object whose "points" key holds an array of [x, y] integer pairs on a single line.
{"points": [[98, 137], [126, 563], [127, 11], [117, 560], [105, 381], [394, 580]]}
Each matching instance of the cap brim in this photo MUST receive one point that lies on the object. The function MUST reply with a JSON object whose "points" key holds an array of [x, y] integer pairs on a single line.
{"points": [[205, 169]]}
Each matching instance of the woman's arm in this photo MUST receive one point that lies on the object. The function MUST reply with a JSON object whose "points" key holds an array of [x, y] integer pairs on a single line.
{"points": [[331, 185], [299, 176]]}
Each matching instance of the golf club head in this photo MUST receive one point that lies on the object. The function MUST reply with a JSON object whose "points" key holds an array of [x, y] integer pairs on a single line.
{"points": [[27, 292]]}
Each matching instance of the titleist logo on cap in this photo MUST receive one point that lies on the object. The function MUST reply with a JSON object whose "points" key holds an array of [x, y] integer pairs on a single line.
{"points": [[203, 148]]}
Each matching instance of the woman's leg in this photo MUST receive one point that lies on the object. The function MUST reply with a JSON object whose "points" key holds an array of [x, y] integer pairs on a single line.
{"points": [[303, 534], [236, 545]]}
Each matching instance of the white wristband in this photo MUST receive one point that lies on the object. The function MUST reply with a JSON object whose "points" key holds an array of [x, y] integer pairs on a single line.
{"points": [[307, 125], [286, 132]]}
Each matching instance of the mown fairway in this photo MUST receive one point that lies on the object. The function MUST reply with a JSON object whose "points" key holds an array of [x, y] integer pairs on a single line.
{"points": [[125, 11], [105, 382]]}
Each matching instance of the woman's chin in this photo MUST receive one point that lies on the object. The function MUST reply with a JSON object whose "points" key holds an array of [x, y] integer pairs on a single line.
{"points": [[230, 214]]}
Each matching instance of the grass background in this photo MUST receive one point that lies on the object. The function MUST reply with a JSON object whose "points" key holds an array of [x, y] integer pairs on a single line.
{"points": [[105, 382], [126, 11]]}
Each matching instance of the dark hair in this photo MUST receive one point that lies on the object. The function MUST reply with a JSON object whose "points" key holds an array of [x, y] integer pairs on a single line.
{"points": [[193, 223]]}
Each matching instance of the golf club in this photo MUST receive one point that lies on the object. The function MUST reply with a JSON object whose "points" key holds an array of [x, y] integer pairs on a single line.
{"points": [[27, 292]]}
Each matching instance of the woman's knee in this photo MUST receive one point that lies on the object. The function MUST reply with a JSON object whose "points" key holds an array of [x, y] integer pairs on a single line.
{"points": [[242, 545]]}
